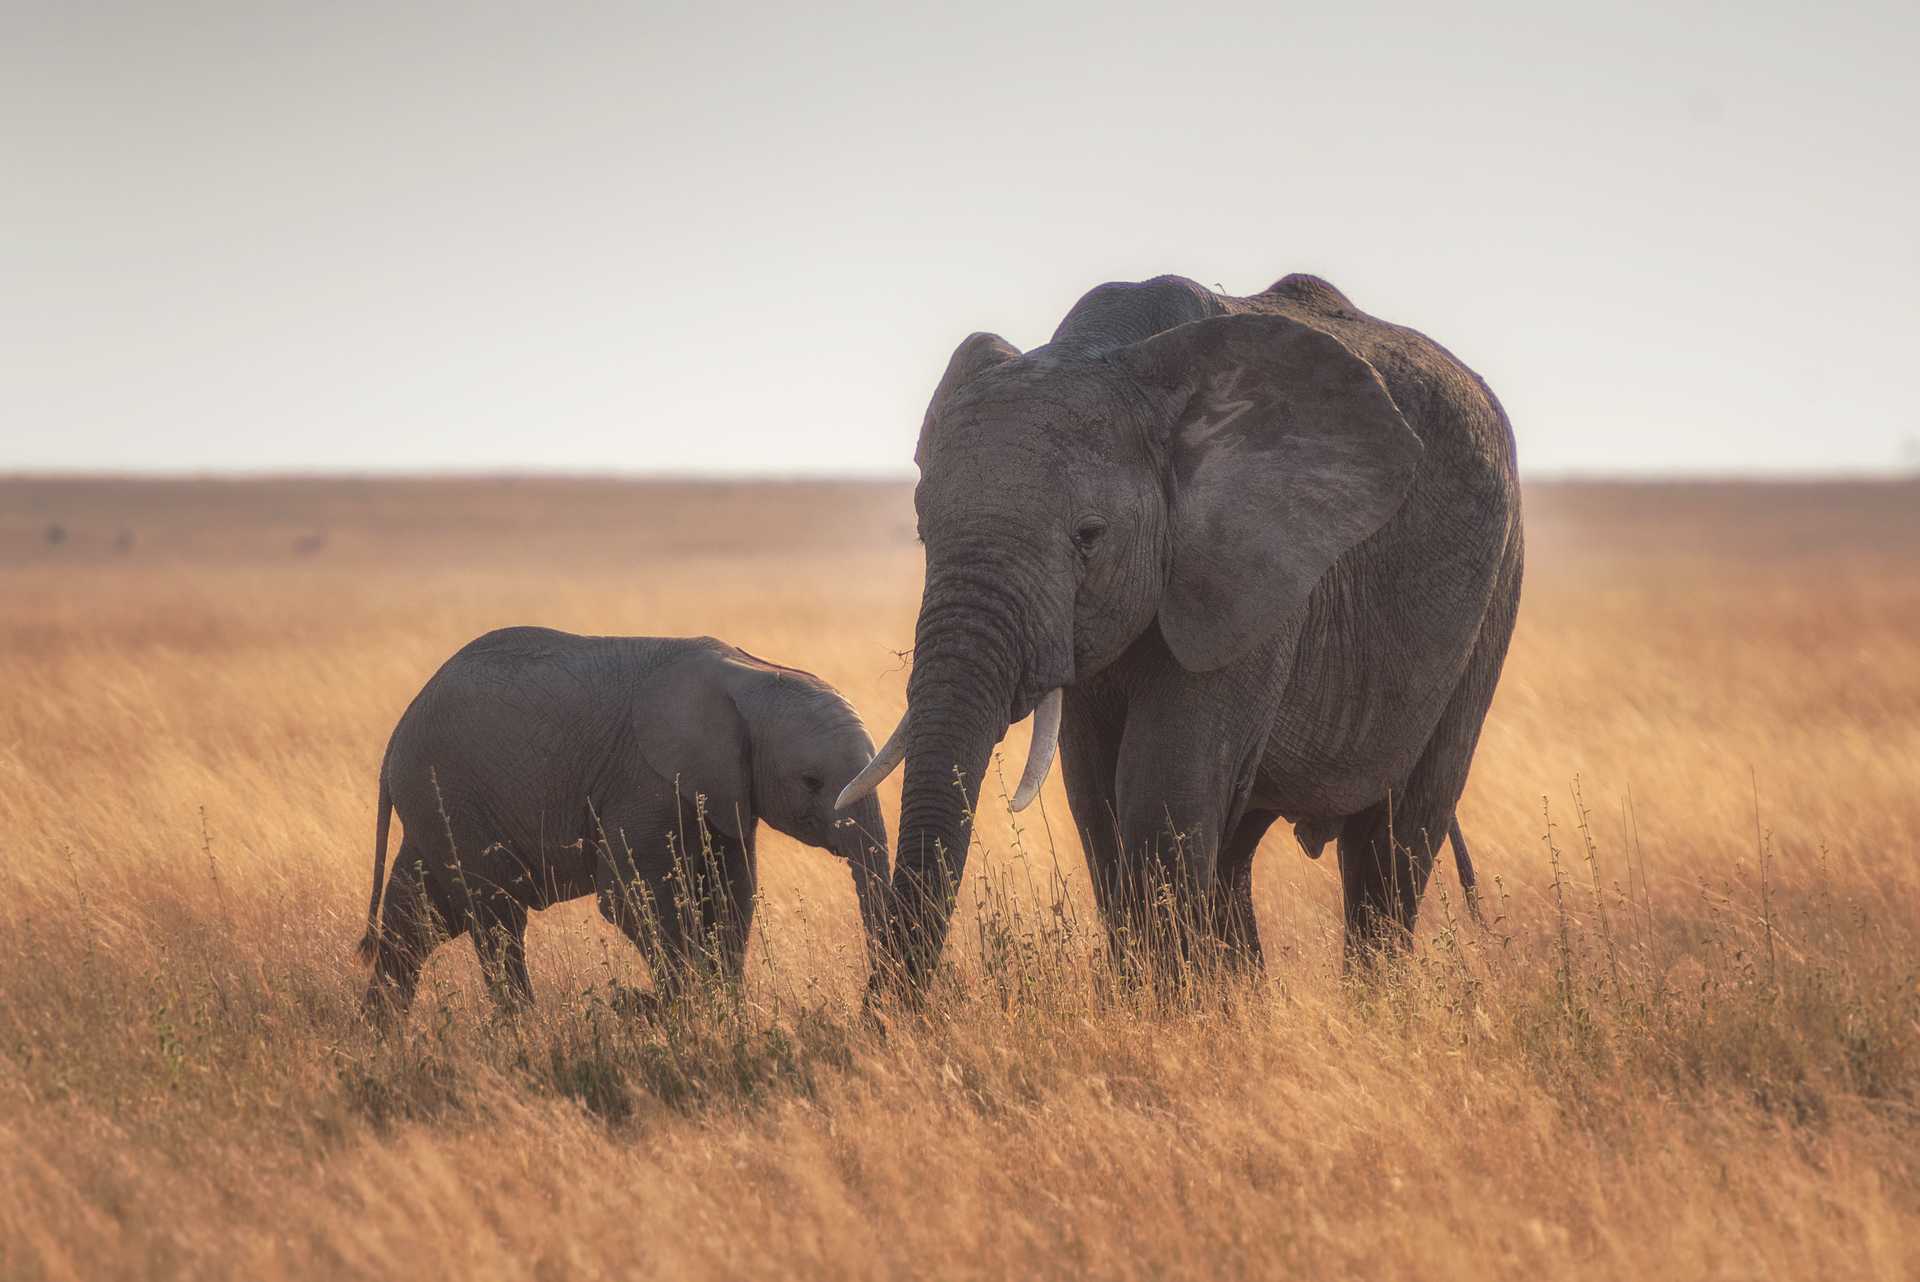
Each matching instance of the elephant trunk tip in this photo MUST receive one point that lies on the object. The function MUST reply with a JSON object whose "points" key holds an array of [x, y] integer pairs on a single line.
{"points": [[367, 949]]}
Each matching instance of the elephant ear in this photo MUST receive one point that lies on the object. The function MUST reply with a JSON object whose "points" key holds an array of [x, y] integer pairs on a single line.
{"points": [[1284, 451], [694, 738], [976, 354]]}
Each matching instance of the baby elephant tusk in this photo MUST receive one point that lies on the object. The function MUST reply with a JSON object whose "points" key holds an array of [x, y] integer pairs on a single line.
{"points": [[1046, 739]]}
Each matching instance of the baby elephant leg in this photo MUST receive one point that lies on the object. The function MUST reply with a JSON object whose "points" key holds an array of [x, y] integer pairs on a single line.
{"points": [[727, 895], [500, 941], [650, 907], [688, 914], [413, 922]]}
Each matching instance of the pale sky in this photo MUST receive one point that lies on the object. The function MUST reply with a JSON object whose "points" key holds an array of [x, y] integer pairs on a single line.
{"points": [[702, 238]]}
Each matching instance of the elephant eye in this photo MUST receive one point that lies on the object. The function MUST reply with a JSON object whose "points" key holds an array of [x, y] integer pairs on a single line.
{"points": [[1088, 532], [813, 783]]}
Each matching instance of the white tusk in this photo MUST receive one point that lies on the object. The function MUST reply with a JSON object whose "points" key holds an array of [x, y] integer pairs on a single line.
{"points": [[1046, 738], [891, 753]]}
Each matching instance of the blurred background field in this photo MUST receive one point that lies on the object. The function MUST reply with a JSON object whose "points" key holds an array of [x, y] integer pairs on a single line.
{"points": [[1686, 1046]]}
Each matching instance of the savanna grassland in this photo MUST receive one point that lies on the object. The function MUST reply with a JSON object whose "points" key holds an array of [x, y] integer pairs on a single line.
{"points": [[1685, 1046]]}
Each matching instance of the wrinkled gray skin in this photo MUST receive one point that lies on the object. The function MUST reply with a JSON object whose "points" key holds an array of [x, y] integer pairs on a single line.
{"points": [[569, 765], [1270, 547]]}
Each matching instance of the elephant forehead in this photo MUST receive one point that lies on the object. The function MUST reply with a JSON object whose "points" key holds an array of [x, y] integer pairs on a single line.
{"points": [[1045, 375], [814, 706], [1073, 416], [836, 722]]}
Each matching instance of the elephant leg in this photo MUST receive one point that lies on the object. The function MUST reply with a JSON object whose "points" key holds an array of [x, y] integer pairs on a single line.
{"points": [[414, 920], [1387, 850], [1169, 876], [1186, 764], [647, 894], [1089, 754], [1385, 859], [1188, 755], [500, 941], [1232, 903], [727, 902]]}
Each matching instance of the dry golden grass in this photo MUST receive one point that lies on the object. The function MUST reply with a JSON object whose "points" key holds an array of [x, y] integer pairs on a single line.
{"points": [[1687, 1048]]}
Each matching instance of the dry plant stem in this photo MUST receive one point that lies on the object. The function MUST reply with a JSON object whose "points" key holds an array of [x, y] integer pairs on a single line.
{"points": [[1592, 851], [1763, 853]]}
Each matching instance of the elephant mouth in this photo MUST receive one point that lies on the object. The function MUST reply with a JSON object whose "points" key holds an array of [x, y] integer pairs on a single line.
{"points": [[1041, 701], [1029, 693]]}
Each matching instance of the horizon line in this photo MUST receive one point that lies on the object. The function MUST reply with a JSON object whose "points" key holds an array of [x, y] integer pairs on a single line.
{"points": [[1758, 476]]}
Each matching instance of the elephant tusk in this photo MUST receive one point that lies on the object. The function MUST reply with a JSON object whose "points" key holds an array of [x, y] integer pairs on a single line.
{"points": [[1046, 739], [891, 753]]}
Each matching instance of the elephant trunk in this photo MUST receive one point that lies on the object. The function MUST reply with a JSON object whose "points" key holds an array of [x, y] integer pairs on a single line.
{"points": [[968, 669], [861, 840]]}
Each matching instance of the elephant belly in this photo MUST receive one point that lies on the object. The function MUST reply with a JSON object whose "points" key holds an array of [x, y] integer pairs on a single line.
{"points": [[1353, 723], [1310, 801], [1294, 782], [566, 873], [540, 864], [564, 855]]}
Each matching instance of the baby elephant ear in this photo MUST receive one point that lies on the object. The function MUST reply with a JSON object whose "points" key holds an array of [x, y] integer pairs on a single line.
{"points": [[976, 354], [1285, 450], [695, 741]]}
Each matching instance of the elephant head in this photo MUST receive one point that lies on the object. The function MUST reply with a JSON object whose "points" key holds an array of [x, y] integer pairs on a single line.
{"points": [[804, 742], [1201, 480]]}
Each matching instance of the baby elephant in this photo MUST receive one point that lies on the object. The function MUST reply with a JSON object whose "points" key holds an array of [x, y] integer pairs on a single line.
{"points": [[537, 766]]}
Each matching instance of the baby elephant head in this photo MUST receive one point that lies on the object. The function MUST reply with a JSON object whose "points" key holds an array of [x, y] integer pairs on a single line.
{"points": [[806, 743]]}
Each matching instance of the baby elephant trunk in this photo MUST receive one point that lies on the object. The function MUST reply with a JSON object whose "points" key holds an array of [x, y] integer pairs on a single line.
{"points": [[860, 837]]}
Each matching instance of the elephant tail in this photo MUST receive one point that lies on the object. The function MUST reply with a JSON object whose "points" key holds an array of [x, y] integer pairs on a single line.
{"points": [[1463, 862], [383, 821]]}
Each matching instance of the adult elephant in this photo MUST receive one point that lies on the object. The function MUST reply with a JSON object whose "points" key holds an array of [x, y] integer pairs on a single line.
{"points": [[1246, 559]]}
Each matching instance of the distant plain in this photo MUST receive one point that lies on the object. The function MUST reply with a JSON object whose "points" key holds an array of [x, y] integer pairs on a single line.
{"points": [[1688, 1044]]}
